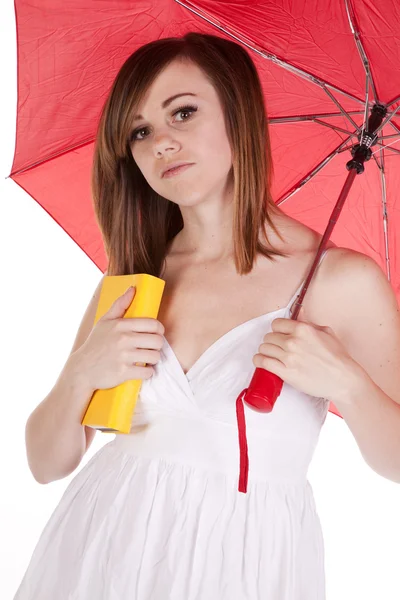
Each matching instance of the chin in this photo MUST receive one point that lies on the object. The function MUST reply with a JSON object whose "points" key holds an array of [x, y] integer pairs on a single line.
{"points": [[186, 199]]}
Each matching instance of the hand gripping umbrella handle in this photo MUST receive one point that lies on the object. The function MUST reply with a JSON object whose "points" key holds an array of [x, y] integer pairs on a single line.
{"points": [[265, 387]]}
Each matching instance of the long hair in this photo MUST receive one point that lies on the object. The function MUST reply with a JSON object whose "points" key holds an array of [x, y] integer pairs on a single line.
{"points": [[137, 223]]}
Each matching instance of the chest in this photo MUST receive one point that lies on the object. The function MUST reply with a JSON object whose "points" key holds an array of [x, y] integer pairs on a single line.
{"points": [[202, 303]]}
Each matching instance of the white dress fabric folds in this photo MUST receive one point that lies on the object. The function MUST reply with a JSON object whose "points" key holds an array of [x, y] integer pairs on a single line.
{"points": [[156, 514]]}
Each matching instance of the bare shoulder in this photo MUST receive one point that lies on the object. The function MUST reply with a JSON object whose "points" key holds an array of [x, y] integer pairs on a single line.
{"points": [[348, 268], [348, 281], [338, 281], [339, 261]]}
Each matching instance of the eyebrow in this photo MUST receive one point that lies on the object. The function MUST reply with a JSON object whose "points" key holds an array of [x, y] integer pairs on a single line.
{"points": [[166, 103]]}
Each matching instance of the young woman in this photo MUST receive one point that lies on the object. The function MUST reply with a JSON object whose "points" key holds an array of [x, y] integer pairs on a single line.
{"points": [[156, 514]]}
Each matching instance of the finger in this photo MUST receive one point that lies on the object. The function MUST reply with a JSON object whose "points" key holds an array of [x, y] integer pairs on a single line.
{"points": [[148, 341], [142, 325], [269, 364], [148, 357], [276, 338], [288, 326], [283, 325], [273, 351]]}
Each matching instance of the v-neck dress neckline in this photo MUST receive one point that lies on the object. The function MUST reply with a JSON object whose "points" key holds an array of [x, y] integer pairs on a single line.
{"points": [[203, 357], [225, 337]]}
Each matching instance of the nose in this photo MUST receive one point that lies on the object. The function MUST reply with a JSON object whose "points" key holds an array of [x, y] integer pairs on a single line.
{"points": [[164, 143]]}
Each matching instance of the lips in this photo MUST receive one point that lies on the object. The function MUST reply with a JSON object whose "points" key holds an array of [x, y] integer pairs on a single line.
{"points": [[176, 168]]}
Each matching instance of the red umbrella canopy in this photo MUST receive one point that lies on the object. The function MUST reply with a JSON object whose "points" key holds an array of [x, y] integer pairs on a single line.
{"points": [[309, 55], [323, 66]]}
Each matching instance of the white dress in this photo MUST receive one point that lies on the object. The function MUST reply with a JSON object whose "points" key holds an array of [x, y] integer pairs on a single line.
{"points": [[156, 514]]}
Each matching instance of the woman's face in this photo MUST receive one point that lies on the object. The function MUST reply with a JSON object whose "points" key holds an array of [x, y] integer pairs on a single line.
{"points": [[167, 134]]}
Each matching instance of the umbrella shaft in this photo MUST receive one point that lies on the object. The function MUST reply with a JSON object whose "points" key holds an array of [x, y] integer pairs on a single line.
{"points": [[331, 224]]}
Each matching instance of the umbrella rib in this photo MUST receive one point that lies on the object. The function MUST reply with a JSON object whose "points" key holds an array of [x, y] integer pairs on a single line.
{"points": [[313, 119], [386, 137], [386, 121], [295, 118], [340, 129], [365, 123], [389, 137], [385, 213], [363, 55], [272, 57], [349, 148], [52, 156], [387, 147], [312, 173], [394, 126], [376, 160], [340, 107], [394, 101]]}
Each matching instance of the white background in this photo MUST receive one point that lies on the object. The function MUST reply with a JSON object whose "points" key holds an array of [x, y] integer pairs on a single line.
{"points": [[46, 284]]}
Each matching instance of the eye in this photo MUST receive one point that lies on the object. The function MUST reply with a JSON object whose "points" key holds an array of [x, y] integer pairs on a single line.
{"points": [[182, 109]]}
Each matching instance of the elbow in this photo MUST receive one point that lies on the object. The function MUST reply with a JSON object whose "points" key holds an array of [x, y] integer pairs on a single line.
{"points": [[55, 457], [36, 472], [39, 479], [46, 478]]}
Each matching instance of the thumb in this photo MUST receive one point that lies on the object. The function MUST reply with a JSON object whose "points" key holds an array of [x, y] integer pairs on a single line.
{"points": [[120, 305]]}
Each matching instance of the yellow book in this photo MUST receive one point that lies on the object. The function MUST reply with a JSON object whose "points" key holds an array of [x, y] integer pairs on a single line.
{"points": [[111, 410]]}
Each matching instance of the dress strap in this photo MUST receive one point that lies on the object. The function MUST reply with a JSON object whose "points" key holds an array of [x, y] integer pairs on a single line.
{"points": [[297, 292]]}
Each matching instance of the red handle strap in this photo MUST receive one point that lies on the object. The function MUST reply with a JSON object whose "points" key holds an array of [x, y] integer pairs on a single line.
{"points": [[244, 458], [261, 395]]}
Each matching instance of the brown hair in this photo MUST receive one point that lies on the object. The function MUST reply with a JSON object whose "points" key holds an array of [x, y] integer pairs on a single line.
{"points": [[136, 222]]}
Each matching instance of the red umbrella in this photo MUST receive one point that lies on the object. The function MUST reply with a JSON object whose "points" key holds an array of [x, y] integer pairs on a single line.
{"points": [[331, 79]]}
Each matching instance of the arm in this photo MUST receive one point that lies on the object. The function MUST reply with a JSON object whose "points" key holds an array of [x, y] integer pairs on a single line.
{"points": [[366, 318], [55, 439]]}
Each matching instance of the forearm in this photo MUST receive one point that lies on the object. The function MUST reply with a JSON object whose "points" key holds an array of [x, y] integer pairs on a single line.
{"points": [[54, 436], [374, 419]]}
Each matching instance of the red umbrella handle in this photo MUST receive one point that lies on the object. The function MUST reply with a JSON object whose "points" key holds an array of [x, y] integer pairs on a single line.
{"points": [[263, 390], [261, 395]]}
